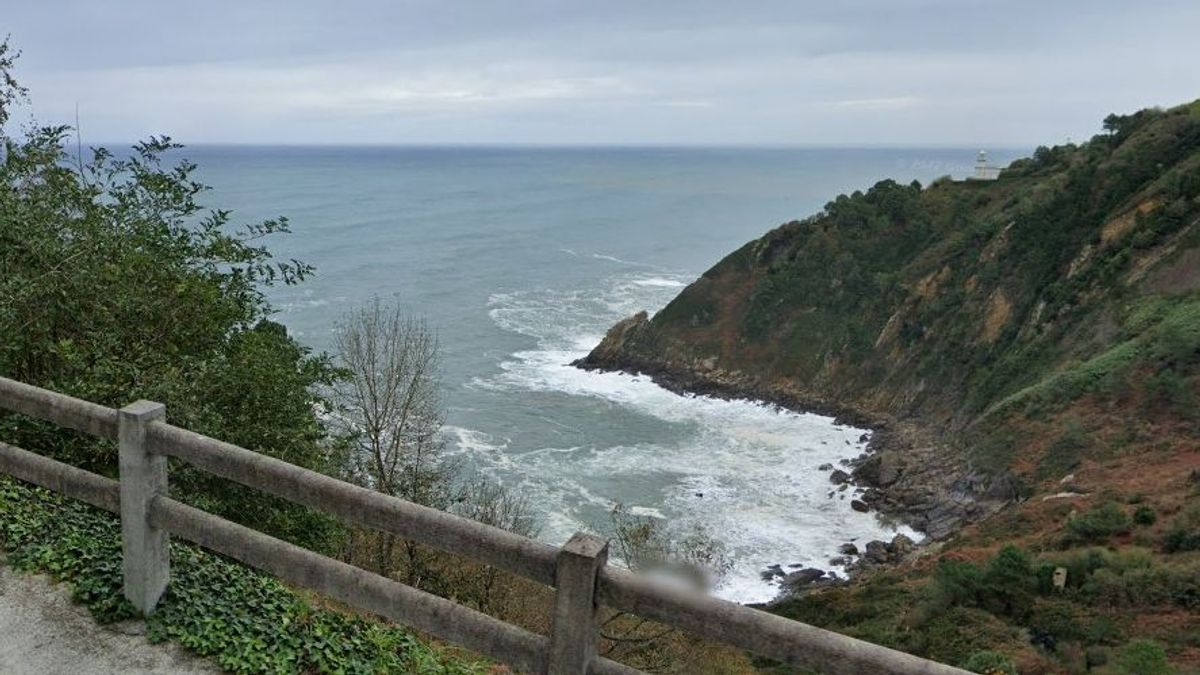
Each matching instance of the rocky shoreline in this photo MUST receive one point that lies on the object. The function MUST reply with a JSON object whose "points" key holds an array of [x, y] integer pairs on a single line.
{"points": [[907, 472]]}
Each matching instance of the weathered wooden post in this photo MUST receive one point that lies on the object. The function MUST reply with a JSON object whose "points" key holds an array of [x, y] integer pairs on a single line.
{"points": [[145, 560], [575, 629]]}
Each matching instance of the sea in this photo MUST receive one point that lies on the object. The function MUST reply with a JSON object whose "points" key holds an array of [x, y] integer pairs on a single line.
{"points": [[521, 258]]}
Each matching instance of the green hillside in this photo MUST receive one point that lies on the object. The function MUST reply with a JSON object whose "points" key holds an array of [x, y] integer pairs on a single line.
{"points": [[1029, 349]]}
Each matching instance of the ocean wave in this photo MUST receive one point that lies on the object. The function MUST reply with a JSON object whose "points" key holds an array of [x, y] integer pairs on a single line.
{"points": [[742, 471]]}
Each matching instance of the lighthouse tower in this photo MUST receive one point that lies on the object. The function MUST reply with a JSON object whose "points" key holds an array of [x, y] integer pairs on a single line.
{"points": [[983, 170]]}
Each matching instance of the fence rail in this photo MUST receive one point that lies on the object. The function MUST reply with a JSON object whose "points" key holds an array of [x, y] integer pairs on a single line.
{"points": [[578, 571]]}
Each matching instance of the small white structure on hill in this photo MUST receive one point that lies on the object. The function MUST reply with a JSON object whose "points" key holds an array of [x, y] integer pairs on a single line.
{"points": [[983, 170]]}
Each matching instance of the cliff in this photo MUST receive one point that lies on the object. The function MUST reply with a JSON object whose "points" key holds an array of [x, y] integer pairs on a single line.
{"points": [[1002, 334]]}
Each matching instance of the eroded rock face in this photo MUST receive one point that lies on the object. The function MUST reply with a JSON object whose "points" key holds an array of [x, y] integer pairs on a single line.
{"points": [[612, 349]]}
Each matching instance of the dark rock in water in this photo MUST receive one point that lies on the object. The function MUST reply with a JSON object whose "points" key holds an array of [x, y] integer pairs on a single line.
{"points": [[825, 467], [839, 476], [840, 561], [771, 572], [876, 552], [859, 505], [843, 486], [848, 549], [699, 494], [801, 578], [864, 438]]}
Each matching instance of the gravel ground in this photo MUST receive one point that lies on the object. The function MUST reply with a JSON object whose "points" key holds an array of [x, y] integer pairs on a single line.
{"points": [[43, 633]]}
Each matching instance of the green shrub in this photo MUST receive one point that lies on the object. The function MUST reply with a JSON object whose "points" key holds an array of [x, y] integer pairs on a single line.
{"points": [[1143, 657], [1005, 586], [1009, 582], [1178, 540], [1184, 532], [956, 582], [990, 663], [1144, 515], [1055, 620], [1097, 525], [1103, 631]]}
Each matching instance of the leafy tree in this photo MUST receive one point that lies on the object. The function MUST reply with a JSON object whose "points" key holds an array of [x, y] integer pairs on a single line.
{"points": [[118, 284]]}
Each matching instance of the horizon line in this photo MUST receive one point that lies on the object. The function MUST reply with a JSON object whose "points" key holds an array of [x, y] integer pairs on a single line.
{"points": [[575, 146]]}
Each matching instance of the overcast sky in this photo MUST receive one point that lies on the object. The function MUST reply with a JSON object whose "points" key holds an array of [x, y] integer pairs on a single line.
{"points": [[862, 72]]}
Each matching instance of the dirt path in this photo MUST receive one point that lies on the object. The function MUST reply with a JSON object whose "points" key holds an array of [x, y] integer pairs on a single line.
{"points": [[43, 633]]}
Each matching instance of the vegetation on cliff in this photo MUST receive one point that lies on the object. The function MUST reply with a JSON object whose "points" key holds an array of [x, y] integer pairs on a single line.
{"points": [[1032, 341]]}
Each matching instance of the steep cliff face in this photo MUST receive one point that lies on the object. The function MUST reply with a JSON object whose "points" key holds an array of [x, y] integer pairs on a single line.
{"points": [[975, 319]]}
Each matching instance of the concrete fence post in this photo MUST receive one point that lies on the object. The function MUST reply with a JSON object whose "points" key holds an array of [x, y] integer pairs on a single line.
{"points": [[145, 561], [575, 629]]}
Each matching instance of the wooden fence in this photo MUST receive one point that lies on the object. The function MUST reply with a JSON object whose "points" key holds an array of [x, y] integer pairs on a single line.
{"points": [[578, 571]]}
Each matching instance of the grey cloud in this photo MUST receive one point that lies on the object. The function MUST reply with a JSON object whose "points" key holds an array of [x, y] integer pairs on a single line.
{"points": [[899, 72]]}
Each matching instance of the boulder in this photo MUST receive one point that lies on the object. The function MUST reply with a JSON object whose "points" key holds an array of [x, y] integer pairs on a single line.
{"points": [[875, 552], [801, 578], [827, 466], [838, 477], [901, 545], [859, 505], [867, 472], [848, 549], [771, 572]]}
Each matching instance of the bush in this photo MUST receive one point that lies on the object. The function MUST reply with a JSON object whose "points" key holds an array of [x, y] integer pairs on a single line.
{"points": [[1055, 620], [1097, 525], [1184, 532], [1143, 657], [990, 663], [1009, 582], [1145, 515], [1004, 587], [1180, 540], [956, 582]]}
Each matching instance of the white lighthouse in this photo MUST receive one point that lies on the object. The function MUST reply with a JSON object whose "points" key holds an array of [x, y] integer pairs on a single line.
{"points": [[983, 170]]}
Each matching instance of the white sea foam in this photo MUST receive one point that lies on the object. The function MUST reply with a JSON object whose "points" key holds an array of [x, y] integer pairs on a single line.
{"points": [[660, 281], [475, 441], [744, 472], [601, 256]]}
